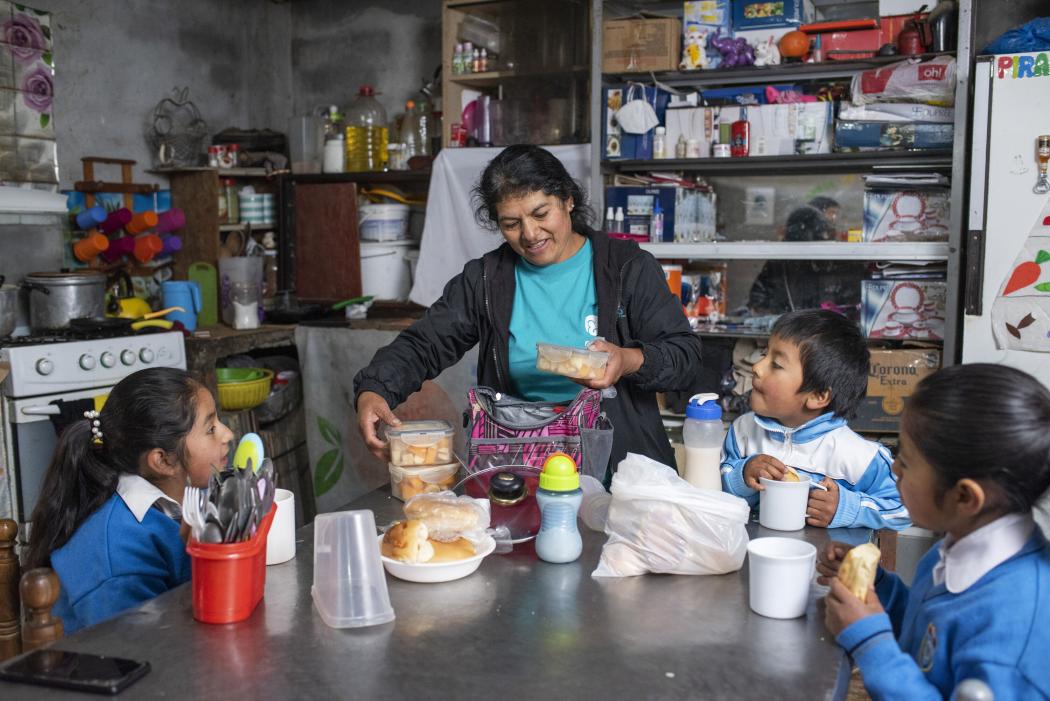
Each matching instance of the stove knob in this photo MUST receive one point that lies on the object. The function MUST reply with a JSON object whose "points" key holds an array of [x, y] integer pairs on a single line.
{"points": [[44, 366], [87, 362], [127, 357], [107, 359], [146, 355]]}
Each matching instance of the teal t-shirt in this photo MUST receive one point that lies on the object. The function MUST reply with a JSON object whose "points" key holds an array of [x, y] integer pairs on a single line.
{"points": [[552, 304]]}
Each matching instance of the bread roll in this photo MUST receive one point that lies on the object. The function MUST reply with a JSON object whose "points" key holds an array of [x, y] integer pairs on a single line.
{"points": [[858, 569], [407, 541], [458, 549], [443, 516], [790, 476]]}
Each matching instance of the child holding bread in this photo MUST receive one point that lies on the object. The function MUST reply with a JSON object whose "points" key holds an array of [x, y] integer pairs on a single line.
{"points": [[974, 460], [810, 381]]}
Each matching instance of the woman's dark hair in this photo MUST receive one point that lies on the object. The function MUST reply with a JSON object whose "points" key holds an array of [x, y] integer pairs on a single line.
{"points": [[984, 422], [808, 223], [824, 203], [522, 169], [834, 356], [154, 408]]}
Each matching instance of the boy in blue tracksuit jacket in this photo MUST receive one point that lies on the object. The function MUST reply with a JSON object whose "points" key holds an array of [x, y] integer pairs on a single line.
{"points": [[813, 376]]}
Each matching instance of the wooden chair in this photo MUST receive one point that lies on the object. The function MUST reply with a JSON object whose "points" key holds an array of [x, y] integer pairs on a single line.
{"points": [[886, 539], [37, 589]]}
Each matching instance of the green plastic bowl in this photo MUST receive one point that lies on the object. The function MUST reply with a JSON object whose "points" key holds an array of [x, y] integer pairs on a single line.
{"points": [[231, 375]]}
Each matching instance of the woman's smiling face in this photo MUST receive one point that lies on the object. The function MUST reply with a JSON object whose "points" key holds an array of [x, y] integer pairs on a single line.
{"points": [[538, 227]]}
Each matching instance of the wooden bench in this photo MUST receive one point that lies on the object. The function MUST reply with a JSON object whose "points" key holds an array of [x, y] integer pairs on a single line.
{"points": [[36, 591]]}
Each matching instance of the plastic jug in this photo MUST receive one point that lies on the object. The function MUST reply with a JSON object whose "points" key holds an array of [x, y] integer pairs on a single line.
{"points": [[559, 497], [703, 435], [185, 294], [366, 133]]}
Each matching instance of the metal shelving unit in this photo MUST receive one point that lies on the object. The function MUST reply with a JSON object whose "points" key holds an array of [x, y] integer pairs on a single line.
{"points": [[953, 162]]}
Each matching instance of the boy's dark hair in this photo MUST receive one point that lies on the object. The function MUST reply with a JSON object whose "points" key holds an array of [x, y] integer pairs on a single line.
{"points": [[154, 408], [521, 170], [834, 356], [984, 422]]}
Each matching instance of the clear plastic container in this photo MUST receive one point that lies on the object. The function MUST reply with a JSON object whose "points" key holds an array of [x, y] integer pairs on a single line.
{"points": [[418, 443], [366, 133], [407, 482], [349, 587], [578, 363]]}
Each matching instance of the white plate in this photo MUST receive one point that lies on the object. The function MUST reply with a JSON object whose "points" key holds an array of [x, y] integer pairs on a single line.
{"points": [[438, 571]]}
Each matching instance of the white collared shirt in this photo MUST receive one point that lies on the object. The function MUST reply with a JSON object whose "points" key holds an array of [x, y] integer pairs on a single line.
{"points": [[971, 557], [139, 494]]}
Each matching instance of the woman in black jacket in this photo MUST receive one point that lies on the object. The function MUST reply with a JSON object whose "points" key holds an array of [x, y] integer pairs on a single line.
{"points": [[555, 280]]}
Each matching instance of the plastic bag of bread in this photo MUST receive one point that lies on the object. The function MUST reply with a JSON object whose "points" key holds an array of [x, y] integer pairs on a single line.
{"points": [[658, 522], [858, 569], [448, 517]]}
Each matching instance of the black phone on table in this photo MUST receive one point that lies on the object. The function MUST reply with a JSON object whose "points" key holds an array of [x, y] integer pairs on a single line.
{"points": [[74, 670]]}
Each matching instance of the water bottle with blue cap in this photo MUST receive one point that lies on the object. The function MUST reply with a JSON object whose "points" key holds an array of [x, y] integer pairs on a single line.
{"points": [[703, 436]]}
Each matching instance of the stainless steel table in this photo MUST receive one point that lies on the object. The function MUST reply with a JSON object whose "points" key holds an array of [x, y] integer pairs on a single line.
{"points": [[517, 626]]}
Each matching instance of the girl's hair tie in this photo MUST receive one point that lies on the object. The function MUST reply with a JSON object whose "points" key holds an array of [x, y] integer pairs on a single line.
{"points": [[96, 426]]}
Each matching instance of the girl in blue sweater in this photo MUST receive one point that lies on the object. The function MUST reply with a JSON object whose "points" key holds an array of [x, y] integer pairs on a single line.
{"points": [[974, 459], [108, 519]]}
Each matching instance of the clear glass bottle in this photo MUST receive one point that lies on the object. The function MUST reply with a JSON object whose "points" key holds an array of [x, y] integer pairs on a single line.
{"points": [[366, 133], [233, 205]]}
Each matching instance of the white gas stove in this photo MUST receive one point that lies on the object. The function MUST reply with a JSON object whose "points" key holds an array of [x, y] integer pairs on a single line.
{"points": [[48, 370]]}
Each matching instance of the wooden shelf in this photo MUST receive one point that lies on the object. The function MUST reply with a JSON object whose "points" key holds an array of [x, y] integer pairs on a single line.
{"points": [[818, 163], [493, 78], [381, 176], [784, 73], [801, 250], [221, 172]]}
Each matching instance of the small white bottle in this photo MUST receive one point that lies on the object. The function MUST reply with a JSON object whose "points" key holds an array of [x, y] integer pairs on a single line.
{"points": [[660, 143], [609, 218], [484, 60], [618, 221], [680, 147]]}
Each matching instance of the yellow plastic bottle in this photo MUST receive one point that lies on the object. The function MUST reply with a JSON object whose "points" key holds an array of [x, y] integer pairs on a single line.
{"points": [[366, 133]]}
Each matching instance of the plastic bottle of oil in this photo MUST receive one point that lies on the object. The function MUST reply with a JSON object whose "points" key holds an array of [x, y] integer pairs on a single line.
{"points": [[366, 133]]}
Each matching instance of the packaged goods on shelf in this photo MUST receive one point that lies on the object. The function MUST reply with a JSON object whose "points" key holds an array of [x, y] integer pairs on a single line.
{"points": [[756, 14], [892, 136], [785, 130], [892, 378], [931, 82], [896, 112], [689, 212], [903, 309], [906, 215], [619, 144], [639, 45], [706, 17], [851, 45], [704, 289]]}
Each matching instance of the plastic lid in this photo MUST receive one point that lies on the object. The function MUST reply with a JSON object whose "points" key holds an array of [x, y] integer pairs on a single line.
{"points": [[703, 407], [419, 431], [507, 489], [559, 473], [656, 207], [366, 90], [661, 130]]}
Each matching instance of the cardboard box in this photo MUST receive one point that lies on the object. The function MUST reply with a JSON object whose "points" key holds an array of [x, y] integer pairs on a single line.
{"points": [[618, 144], [892, 378], [906, 215], [756, 14], [896, 112], [890, 136], [903, 309], [638, 45]]}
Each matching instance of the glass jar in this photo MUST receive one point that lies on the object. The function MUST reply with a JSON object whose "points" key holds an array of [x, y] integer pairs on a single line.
{"points": [[224, 207], [229, 191]]}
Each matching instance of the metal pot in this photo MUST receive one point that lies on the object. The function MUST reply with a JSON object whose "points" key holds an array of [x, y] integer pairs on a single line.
{"points": [[57, 298], [8, 308]]}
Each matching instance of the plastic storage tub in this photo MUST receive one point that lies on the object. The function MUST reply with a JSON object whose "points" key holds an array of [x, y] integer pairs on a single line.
{"points": [[407, 482], [579, 363], [416, 443], [229, 578], [239, 394], [384, 222]]}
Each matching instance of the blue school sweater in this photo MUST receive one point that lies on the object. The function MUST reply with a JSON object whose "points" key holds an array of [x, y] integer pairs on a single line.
{"points": [[822, 447], [113, 562], [997, 630]]}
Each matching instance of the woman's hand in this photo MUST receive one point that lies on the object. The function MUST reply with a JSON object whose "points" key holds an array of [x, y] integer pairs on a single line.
{"points": [[842, 609], [622, 361], [371, 409], [830, 559], [760, 466]]}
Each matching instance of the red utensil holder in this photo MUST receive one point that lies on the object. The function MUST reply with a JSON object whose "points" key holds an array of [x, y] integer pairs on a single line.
{"points": [[229, 578]]}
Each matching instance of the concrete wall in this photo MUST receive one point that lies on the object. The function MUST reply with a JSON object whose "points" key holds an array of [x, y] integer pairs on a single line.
{"points": [[115, 59], [338, 45]]}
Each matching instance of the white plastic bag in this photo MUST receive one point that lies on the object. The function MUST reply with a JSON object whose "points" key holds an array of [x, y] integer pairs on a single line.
{"points": [[930, 81], [660, 523]]}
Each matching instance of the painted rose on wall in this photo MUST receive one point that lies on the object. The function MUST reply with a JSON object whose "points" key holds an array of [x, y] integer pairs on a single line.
{"points": [[26, 39]]}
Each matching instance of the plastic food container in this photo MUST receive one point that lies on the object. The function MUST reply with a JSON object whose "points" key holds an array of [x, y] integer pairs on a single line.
{"points": [[407, 482], [418, 443], [383, 222], [229, 578], [579, 363]]}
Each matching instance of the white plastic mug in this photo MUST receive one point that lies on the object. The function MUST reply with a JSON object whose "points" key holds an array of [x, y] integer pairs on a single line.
{"points": [[780, 572], [782, 505], [280, 543]]}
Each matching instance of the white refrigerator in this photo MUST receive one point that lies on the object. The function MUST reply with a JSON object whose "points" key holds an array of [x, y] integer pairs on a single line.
{"points": [[1006, 297]]}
